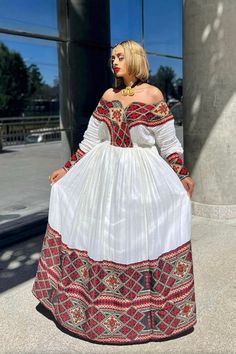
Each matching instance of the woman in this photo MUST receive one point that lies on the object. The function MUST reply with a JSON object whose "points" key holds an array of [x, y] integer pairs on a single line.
{"points": [[116, 263]]}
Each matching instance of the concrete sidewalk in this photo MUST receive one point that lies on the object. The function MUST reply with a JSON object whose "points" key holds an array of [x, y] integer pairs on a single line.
{"points": [[24, 179], [24, 330]]}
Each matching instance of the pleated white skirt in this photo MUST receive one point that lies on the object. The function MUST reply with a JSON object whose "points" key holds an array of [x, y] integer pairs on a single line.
{"points": [[121, 204]]}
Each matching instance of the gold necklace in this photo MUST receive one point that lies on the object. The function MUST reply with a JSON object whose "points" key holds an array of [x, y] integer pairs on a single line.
{"points": [[128, 90]]}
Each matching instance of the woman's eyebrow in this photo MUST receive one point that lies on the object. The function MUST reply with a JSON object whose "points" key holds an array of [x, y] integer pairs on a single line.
{"points": [[118, 54]]}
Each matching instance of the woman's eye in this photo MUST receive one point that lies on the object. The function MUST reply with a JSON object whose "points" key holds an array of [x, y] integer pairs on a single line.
{"points": [[119, 58]]}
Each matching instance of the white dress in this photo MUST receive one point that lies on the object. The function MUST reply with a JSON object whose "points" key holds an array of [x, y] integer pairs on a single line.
{"points": [[116, 264]]}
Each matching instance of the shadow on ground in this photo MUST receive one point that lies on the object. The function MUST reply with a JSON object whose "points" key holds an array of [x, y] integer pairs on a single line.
{"points": [[18, 263]]}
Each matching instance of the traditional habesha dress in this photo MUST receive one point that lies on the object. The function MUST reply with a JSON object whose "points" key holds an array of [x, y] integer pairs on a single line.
{"points": [[116, 263]]}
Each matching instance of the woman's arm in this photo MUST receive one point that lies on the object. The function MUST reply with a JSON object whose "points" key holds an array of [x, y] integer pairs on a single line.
{"points": [[90, 139], [165, 135], [170, 147]]}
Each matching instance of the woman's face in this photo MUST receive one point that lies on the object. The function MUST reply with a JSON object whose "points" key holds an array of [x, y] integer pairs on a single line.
{"points": [[118, 62]]}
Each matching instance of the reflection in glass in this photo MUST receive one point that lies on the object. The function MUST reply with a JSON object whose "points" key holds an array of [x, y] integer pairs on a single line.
{"points": [[30, 134], [126, 20], [163, 26], [35, 51], [166, 74], [31, 16], [29, 97]]}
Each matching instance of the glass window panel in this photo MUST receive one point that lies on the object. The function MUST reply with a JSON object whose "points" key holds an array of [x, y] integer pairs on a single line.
{"points": [[167, 75], [163, 26], [126, 20], [35, 51], [37, 16], [29, 126], [172, 68]]}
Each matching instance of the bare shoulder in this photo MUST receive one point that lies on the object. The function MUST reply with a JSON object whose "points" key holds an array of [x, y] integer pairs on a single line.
{"points": [[155, 93], [109, 94]]}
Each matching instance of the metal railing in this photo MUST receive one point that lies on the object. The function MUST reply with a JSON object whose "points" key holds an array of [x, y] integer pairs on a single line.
{"points": [[18, 130]]}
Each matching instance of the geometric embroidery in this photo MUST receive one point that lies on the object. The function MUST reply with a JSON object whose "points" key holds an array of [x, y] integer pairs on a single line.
{"points": [[74, 159], [119, 120], [176, 163], [113, 115], [108, 302]]}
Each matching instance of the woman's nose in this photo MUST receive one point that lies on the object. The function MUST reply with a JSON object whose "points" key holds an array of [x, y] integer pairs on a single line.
{"points": [[115, 62]]}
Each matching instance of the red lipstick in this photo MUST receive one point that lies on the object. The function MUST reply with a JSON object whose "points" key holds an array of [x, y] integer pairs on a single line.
{"points": [[116, 70]]}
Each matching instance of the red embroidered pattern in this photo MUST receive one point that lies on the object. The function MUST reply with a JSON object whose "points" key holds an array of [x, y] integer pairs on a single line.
{"points": [[112, 114], [177, 164], [110, 302], [74, 159], [119, 120]]}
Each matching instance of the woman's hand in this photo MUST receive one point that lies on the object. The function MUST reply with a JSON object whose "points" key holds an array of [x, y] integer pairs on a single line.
{"points": [[188, 185], [56, 175]]}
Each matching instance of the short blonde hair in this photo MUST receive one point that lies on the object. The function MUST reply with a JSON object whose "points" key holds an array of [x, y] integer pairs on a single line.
{"points": [[136, 59]]}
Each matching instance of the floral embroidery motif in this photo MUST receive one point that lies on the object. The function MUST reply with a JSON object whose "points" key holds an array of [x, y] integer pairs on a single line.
{"points": [[181, 269], [112, 324], [112, 281], [116, 115], [187, 310], [161, 110], [77, 315]]}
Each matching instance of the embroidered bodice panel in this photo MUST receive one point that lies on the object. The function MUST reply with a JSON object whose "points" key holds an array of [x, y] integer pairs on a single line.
{"points": [[138, 124], [126, 126]]}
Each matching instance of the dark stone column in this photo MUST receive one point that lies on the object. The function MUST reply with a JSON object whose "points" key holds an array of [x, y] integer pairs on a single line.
{"points": [[84, 26]]}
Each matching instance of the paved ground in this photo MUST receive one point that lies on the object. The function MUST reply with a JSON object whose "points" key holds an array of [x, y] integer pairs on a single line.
{"points": [[24, 330], [23, 178]]}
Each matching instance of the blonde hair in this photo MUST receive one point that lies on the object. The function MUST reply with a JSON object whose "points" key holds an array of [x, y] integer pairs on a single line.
{"points": [[136, 59]]}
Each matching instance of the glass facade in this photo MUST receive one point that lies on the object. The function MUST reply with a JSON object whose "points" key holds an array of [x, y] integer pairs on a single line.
{"points": [[163, 26], [38, 16], [30, 134], [126, 20]]}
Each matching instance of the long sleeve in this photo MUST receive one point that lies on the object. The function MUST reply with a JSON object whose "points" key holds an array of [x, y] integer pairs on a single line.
{"points": [[90, 139], [170, 147]]}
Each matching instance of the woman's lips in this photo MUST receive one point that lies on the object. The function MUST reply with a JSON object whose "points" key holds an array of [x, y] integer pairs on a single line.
{"points": [[116, 70]]}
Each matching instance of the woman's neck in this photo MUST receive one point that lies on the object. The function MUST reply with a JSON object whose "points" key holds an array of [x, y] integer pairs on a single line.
{"points": [[129, 80]]}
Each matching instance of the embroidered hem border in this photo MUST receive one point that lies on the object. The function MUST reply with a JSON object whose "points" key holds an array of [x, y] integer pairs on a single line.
{"points": [[114, 303]]}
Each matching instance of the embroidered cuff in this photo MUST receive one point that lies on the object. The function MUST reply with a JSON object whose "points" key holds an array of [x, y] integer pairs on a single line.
{"points": [[73, 160], [176, 163]]}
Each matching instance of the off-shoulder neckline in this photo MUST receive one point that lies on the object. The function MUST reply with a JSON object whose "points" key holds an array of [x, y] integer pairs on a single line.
{"points": [[133, 102]]}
